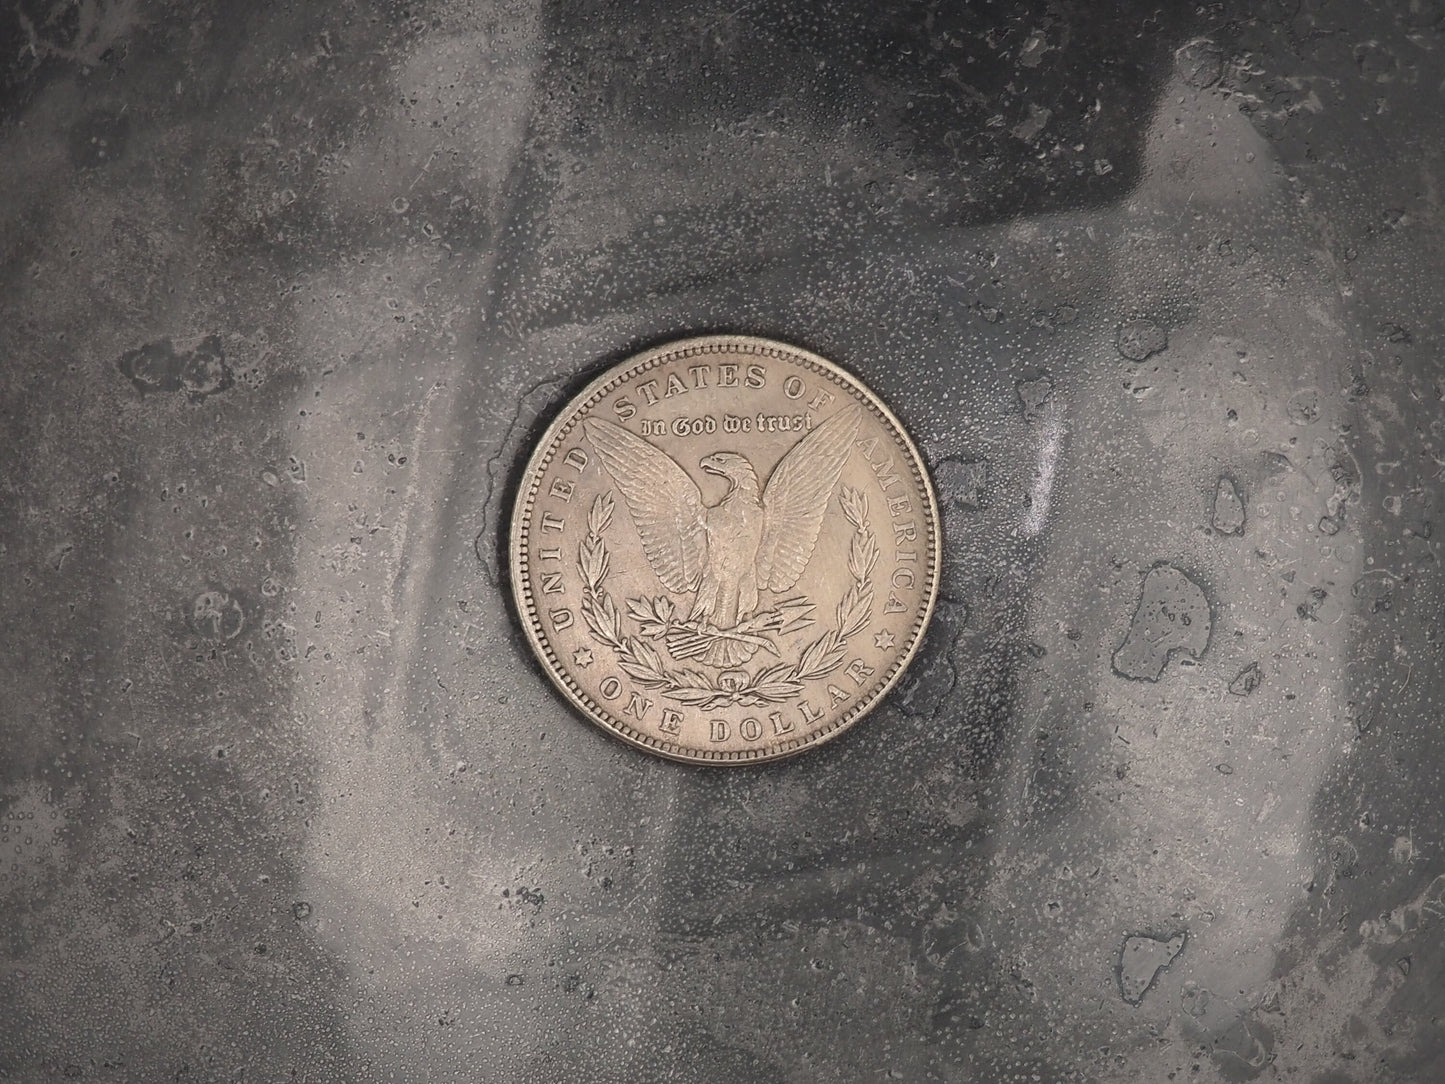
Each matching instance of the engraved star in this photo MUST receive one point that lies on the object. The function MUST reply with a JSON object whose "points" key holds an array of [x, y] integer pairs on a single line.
{"points": [[883, 640], [582, 657]]}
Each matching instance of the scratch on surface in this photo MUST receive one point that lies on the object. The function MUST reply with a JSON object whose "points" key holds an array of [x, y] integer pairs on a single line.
{"points": [[411, 569], [1049, 446]]}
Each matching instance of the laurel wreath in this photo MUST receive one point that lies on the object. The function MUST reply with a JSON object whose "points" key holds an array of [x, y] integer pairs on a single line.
{"points": [[643, 663]]}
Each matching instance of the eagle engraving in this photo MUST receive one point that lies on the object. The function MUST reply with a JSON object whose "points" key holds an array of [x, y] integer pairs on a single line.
{"points": [[756, 538]]}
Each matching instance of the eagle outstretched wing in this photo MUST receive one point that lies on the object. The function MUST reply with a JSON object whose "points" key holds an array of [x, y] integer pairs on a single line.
{"points": [[797, 496], [665, 503]]}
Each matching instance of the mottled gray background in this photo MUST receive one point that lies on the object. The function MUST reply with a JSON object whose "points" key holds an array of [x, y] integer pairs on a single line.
{"points": [[288, 290]]}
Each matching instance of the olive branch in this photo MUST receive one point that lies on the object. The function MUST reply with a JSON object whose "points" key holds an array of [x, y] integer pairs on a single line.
{"points": [[643, 663]]}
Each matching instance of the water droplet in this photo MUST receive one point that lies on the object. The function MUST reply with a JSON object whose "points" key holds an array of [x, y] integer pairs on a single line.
{"points": [[1195, 999], [1303, 407], [217, 615], [1228, 514], [1141, 959], [1035, 396], [1344, 857], [1200, 63], [962, 483], [1173, 615], [1246, 681], [1138, 339], [205, 371], [158, 366], [1377, 63]]}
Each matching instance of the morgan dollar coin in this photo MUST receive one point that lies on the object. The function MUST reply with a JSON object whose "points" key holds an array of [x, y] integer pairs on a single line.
{"points": [[725, 550]]}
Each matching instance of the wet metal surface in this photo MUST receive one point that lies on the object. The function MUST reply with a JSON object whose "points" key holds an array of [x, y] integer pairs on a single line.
{"points": [[289, 293]]}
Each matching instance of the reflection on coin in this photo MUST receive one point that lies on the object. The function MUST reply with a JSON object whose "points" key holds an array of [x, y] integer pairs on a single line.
{"points": [[725, 550]]}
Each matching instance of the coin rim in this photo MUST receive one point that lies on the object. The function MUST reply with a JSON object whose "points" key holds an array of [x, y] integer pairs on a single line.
{"points": [[527, 494]]}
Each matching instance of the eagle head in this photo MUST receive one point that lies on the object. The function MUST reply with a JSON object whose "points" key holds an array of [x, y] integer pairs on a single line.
{"points": [[735, 468]]}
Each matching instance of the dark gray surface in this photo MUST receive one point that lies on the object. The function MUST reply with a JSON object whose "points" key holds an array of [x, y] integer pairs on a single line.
{"points": [[287, 293]]}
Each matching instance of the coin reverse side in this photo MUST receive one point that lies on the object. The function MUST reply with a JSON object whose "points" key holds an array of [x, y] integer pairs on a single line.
{"points": [[725, 550]]}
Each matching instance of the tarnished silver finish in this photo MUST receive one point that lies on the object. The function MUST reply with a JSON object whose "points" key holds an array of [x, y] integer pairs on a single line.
{"points": [[725, 550]]}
